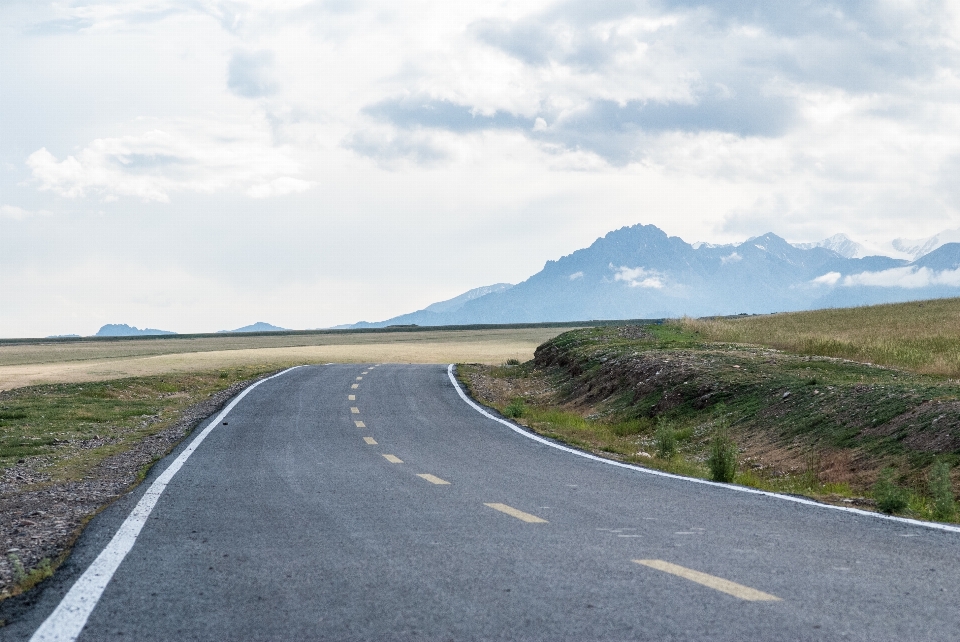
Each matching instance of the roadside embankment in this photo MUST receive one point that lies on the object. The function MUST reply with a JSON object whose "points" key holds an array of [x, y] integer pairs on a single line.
{"points": [[662, 396]]}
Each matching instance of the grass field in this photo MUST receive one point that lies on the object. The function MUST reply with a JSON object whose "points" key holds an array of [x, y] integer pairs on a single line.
{"points": [[23, 364], [64, 430], [922, 337]]}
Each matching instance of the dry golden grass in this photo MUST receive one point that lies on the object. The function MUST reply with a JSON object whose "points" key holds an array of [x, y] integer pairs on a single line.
{"points": [[70, 362], [921, 336]]}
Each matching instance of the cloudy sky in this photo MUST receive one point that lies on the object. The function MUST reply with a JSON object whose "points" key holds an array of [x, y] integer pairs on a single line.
{"points": [[201, 165]]}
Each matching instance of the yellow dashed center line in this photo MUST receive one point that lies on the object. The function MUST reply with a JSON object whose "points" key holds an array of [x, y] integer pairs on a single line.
{"points": [[433, 479], [355, 386], [370, 440], [360, 424], [711, 581], [519, 514], [354, 410], [351, 397], [393, 459]]}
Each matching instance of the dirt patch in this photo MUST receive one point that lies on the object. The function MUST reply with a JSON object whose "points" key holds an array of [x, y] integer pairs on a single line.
{"points": [[40, 520], [533, 387]]}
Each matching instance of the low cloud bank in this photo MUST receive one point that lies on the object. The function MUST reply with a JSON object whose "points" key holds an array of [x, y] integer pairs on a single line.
{"points": [[901, 277], [639, 277]]}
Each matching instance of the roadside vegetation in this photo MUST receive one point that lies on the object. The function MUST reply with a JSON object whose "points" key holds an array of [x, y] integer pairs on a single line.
{"points": [[670, 397], [921, 336], [65, 430]]}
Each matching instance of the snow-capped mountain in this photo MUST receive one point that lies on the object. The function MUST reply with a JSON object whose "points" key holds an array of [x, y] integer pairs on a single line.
{"points": [[641, 272]]}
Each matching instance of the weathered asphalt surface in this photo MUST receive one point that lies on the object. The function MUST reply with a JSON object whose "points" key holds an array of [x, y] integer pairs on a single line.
{"points": [[286, 525]]}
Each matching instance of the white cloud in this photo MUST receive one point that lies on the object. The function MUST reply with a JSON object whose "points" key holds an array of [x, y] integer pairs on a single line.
{"points": [[904, 277], [639, 277], [280, 187], [830, 278], [576, 275], [152, 165], [250, 74], [18, 213], [732, 258]]}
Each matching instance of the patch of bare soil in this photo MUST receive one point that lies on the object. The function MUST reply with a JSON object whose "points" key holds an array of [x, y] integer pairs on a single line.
{"points": [[40, 520], [534, 387]]}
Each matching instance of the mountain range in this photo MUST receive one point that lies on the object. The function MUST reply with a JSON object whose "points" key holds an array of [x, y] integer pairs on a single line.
{"points": [[259, 326], [124, 330], [641, 272]]}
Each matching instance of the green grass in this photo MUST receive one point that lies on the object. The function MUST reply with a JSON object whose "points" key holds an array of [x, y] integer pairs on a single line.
{"points": [[722, 460], [666, 440], [922, 336], [67, 429], [891, 497]]}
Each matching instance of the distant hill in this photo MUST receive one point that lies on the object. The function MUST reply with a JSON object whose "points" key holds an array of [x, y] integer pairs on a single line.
{"points": [[259, 326], [641, 272], [124, 330], [434, 313]]}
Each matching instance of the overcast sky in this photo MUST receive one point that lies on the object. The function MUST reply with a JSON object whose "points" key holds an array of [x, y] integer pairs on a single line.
{"points": [[201, 165]]}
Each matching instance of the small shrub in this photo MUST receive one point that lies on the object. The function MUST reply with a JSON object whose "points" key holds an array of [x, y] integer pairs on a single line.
{"points": [[666, 440], [723, 458], [515, 408], [513, 362], [19, 573], [890, 497], [941, 491]]}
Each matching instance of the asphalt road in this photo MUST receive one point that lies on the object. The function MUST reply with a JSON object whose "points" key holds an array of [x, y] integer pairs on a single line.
{"points": [[293, 523]]}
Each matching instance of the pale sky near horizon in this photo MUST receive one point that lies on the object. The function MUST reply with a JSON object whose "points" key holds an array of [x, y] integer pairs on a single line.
{"points": [[199, 165]]}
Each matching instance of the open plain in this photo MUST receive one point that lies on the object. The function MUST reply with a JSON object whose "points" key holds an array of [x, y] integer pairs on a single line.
{"points": [[24, 363]]}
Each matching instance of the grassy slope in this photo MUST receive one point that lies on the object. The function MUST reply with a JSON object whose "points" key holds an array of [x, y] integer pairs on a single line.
{"points": [[922, 336], [840, 424]]}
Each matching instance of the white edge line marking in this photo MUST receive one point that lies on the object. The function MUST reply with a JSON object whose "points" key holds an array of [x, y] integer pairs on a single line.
{"points": [[68, 619], [694, 480]]}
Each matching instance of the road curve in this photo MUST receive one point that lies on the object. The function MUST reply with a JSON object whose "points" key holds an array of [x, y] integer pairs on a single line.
{"points": [[404, 514]]}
